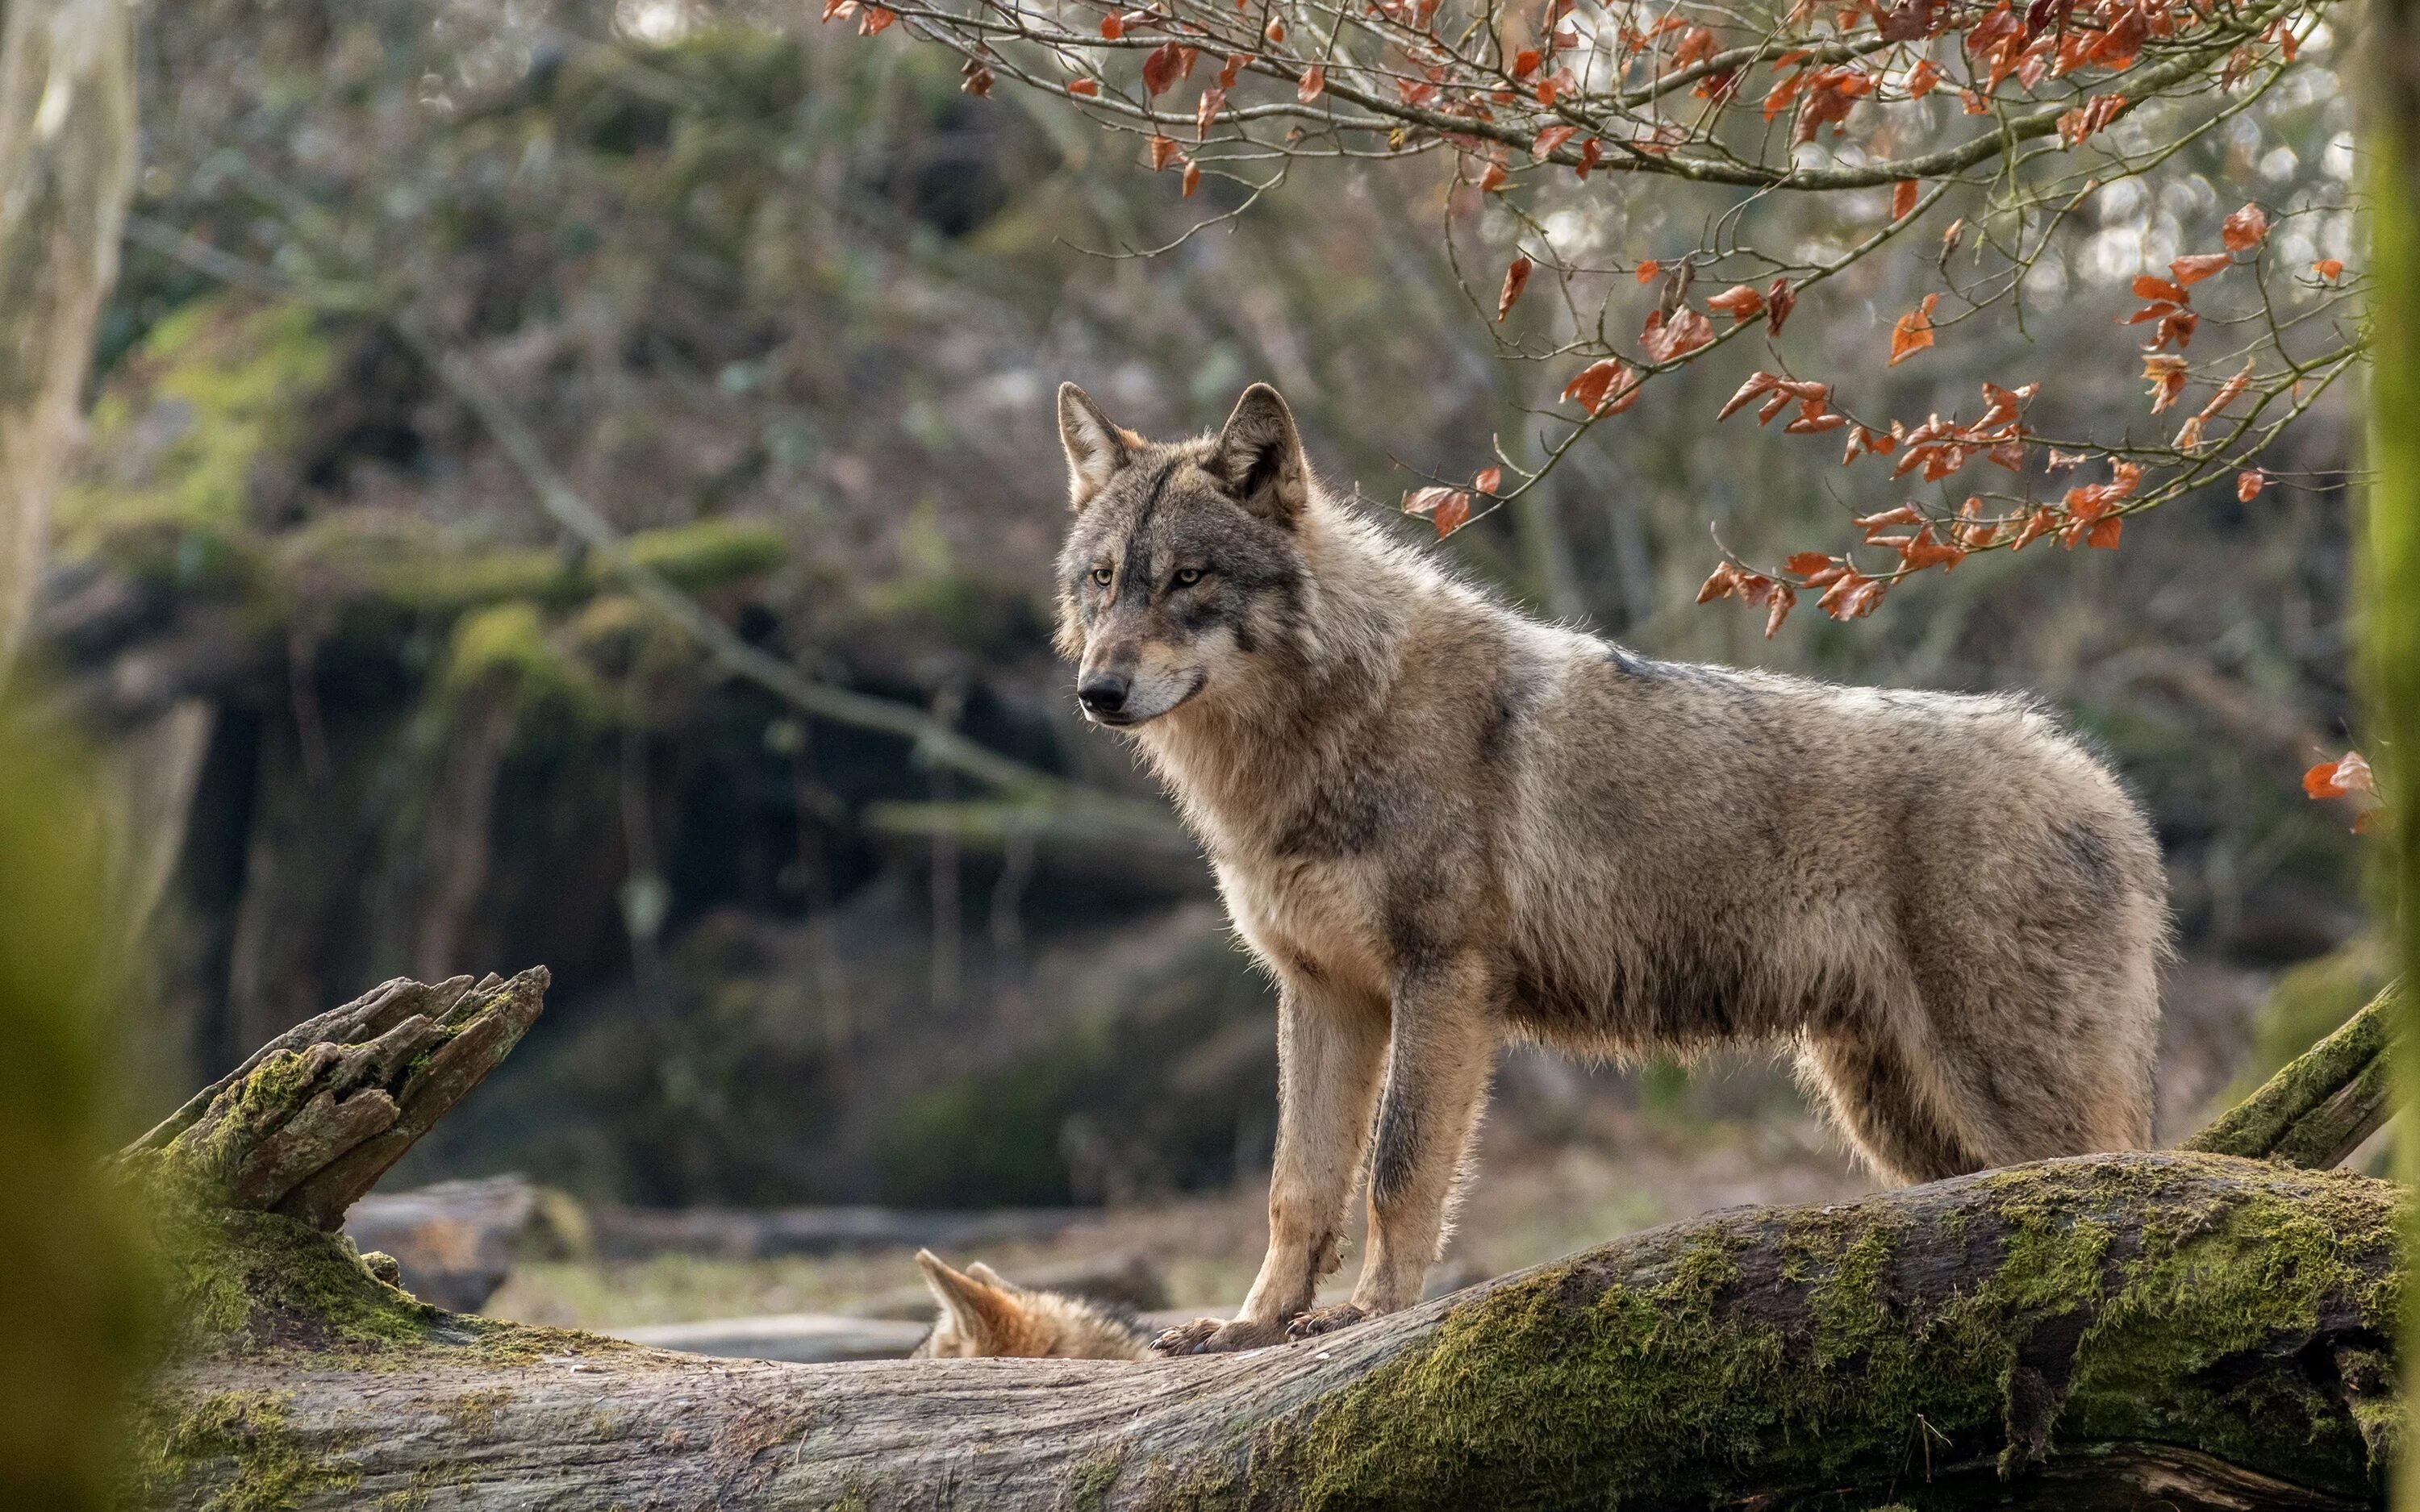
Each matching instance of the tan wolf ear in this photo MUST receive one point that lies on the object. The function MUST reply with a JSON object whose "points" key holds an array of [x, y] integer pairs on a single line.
{"points": [[984, 1313], [1096, 447], [1260, 457], [988, 1276]]}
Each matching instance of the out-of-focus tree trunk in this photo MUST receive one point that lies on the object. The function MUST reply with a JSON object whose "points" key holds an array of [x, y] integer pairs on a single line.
{"points": [[66, 167], [2393, 622]]}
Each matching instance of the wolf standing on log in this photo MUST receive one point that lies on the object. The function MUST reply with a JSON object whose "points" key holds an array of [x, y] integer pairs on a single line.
{"points": [[1441, 824]]}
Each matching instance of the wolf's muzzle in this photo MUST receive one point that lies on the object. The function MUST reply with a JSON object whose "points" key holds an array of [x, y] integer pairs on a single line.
{"points": [[1104, 694]]}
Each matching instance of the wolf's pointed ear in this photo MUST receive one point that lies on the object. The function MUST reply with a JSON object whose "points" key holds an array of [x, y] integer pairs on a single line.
{"points": [[984, 1313], [1259, 457], [985, 1274], [1096, 448]]}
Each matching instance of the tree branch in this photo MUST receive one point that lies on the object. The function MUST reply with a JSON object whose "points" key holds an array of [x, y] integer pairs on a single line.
{"points": [[2322, 1105]]}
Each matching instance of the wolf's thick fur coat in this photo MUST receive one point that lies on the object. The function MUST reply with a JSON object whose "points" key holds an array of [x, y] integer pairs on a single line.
{"points": [[1442, 823]]}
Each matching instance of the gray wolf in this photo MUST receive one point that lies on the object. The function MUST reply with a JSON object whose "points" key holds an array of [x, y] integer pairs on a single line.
{"points": [[1442, 824], [984, 1316]]}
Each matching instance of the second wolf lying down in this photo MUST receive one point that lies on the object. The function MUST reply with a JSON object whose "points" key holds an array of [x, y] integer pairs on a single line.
{"points": [[1441, 824]]}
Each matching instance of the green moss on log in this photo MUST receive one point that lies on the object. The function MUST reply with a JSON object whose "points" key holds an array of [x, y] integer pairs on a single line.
{"points": [[242, 1441], [2269, 1122], [1688, 1375]]}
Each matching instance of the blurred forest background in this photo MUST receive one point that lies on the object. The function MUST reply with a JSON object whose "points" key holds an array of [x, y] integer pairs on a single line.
{"points": [[787, 308]]}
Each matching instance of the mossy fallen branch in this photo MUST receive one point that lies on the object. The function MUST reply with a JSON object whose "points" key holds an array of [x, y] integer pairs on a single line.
{"points": [[313, 1118], [2188, 1330], [2319, 1109], [2175, 1330]]}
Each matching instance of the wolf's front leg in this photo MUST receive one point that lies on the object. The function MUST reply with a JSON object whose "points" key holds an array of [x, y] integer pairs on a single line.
{"points": [[1329, 1053], [1443, 1050]]}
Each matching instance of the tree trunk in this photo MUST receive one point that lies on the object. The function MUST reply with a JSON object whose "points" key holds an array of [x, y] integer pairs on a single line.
{"points": [[66, 167], [2189, 1330], [2391, 578]]}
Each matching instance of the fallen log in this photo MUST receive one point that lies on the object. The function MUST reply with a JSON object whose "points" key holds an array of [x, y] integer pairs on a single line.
{"points": [[2187, 1329], [798, 1338]]}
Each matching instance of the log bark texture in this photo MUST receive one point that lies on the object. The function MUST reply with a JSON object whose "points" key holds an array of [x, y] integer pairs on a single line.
{"points": [[2184, 1329]]}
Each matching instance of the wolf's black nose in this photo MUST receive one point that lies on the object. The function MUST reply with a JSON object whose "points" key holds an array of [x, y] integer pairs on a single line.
{"points": [[1103, 692]]}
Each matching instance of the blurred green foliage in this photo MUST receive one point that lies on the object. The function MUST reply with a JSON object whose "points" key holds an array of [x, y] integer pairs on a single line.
{"points": [[74, 1314]]}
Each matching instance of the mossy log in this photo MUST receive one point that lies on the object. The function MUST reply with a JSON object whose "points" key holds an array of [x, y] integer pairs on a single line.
{"points": [[307, 1124], [2322, 1105], [2186, 1329]]}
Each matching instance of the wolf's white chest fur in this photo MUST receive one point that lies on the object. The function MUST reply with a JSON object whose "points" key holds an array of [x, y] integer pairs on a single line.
{"points": [[1311, 918]]}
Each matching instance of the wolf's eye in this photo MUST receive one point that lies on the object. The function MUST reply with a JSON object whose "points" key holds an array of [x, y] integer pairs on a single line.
{"points": [[1188, 576], [1100, 577]]}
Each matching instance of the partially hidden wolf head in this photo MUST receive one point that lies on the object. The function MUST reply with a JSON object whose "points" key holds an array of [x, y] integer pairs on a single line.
{"points": [[984, 1316], [1183, 564]]}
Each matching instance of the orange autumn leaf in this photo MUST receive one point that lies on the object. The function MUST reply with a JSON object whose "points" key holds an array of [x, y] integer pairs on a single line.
{"points": [[1648, 270], [1903, 198], [1604, 388], [1667, 341], [1192, 181], [1912, 332], [2165, 373], [1494, 178], [1546, 141], [2104, 532], [873, 20], [1779, 299], [1739, 301], [1112, 27], [1163, 152], [2246, 229], [2329, 269], [1804, 562], [1926, 550], [1314, 84], [1516, 278], [1206, 111], [1452, 514], [2342, 777], [2248, 485], [1784, 598], [1161, 70], [1758, 382], [2193, 270], [1084, 88], [1489, 481]]}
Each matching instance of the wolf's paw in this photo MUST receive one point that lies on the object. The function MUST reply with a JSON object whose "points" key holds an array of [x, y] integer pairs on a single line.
{"points": [[1320, 1321], [1212, 1336]]}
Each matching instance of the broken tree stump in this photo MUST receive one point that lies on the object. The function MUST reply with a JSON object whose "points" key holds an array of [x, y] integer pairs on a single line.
{"points": [[2184, 1329]]}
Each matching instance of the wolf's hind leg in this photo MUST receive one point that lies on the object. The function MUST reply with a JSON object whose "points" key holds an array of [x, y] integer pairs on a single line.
{"points": [[1890, 1103], [1329, 1053]]}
